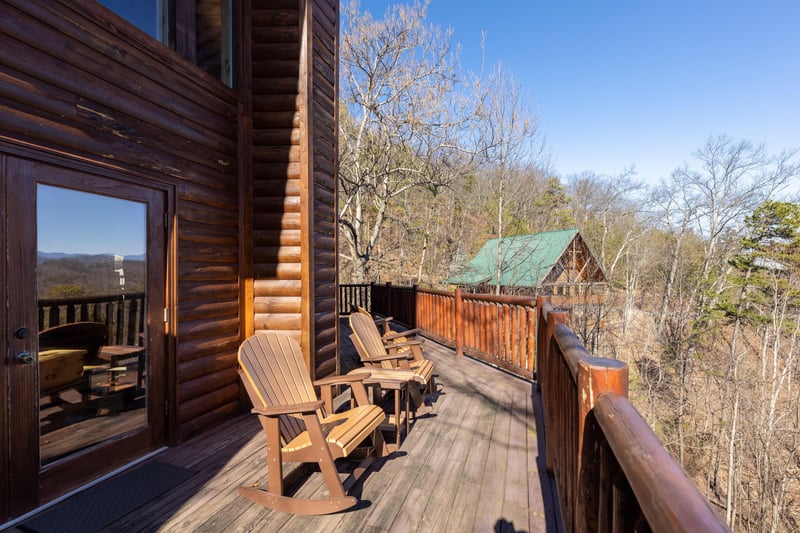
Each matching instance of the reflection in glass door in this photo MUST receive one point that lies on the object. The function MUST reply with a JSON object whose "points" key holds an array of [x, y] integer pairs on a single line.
{"points": [[91, 290]]}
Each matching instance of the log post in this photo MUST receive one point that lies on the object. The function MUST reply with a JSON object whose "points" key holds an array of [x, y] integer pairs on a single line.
{"points": [[547, 361], [414, 310], [459, 305], [595, 376], [389, 298]]}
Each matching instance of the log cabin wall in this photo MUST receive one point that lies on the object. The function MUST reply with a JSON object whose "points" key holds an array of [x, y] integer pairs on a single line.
{"points": [[276, 166], [80, 87], [324, 161], [294, 174]]}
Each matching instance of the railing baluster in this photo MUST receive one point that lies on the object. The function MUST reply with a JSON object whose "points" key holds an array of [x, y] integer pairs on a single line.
{"points": [[54, 318], [124, 317]]}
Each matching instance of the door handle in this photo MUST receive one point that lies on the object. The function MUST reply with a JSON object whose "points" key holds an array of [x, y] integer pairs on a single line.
{"points": [[24, 358]]}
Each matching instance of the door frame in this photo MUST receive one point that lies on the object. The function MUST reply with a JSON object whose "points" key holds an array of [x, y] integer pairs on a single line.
{"points": [[26, 485]]}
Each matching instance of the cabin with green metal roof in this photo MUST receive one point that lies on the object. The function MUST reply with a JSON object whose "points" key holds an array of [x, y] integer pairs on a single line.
{"points": [[547, 263]]}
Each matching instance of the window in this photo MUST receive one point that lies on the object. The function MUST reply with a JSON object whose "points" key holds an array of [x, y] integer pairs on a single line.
{"points": [[211, 45], [148, 16], [213, 40]]}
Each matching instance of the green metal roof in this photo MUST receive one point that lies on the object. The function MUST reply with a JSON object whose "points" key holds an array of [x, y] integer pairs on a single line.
{"points": [[527, 259]]}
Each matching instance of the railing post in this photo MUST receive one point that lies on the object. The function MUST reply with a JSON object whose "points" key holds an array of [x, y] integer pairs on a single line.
{"points": [[595, 376], [548, 318], [459, 309], [415, 321], [389, 298], [371, 306]]}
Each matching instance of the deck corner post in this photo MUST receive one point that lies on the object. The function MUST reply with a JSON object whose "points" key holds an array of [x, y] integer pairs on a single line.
{"points": [[389, 298], [595, 376], [414, 306], [459, 311]]}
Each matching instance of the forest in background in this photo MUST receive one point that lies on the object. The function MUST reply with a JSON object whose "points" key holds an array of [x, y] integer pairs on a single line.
{"points": [[76, 275], [704, 300]]}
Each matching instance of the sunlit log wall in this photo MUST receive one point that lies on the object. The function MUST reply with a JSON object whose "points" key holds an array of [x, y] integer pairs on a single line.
{"points": [[294, 174]]}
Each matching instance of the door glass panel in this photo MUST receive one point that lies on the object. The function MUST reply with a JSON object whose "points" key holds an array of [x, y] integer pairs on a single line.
{"points": [[91, 280]]}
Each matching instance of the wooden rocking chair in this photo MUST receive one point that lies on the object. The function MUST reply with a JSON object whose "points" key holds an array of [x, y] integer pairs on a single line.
{"points": [[400, 341], [374, 354], [301, 428]]}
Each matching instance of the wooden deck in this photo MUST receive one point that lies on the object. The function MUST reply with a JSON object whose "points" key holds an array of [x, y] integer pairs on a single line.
{"points": [[475, 464]]}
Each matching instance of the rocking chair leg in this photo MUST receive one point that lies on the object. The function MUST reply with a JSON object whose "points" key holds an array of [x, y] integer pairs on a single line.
{"points": [[326, 464], [379, 443], [274, 456], [380, 449], [416, 397]]}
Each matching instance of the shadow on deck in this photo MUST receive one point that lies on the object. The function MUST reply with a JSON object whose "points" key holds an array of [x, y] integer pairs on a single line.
{"points": [[476, 463]]}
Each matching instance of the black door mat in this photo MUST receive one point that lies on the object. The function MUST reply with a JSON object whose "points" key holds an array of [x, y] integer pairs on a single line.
{"points": [[95, 508]]}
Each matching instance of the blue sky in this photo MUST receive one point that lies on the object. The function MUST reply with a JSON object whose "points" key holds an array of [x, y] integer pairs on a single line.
{"points": [[642, 83], [94, 224], [142, 13]]}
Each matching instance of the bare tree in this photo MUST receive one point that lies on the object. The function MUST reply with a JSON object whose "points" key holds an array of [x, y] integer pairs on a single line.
{"points": [[734, 178], [510, 146], [399, 123]]}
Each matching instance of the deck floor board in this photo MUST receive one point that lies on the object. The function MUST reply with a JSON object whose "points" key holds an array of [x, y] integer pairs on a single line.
{"points": [[473, 464]]}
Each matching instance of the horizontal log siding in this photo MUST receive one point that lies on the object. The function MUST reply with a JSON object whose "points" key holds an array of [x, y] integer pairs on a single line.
{"points": [[75, 80], [277, 187], [325, 32]]}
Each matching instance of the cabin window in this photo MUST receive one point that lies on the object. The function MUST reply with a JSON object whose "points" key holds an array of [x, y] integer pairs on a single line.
{"points": [[207, 40], [213, 42], [149, 16]]}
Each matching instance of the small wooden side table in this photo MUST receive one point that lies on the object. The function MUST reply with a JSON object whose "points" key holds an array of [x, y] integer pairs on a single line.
{"points": [[120, 356], [398, 381]]}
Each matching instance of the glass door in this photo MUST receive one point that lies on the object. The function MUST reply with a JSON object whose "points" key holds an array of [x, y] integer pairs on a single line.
{"points": [[91, 284], [86, 286]]}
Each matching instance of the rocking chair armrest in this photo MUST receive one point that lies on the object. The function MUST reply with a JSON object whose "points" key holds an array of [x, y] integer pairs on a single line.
{"points": [[395, 345], [290, 409], [397, 334], [340, 380], [354, 381], [392, 356]]}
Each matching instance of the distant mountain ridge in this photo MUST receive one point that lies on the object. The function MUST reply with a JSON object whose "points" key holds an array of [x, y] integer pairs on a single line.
{"points": [[61, 255], [61, 275]]}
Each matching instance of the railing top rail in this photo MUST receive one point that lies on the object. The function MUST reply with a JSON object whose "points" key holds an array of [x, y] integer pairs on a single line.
{"points": [[436, 292], [89, 299], [575, 353], [667, 497], [501, 299]]}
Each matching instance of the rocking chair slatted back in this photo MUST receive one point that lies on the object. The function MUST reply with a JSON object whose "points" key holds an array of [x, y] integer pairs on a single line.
{"points": [[281, 380], [370, 339]]}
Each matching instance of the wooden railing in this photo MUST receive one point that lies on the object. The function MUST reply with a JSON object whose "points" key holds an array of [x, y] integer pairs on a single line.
{"points": [[124, 315], [611, 471], [353, 296], [499, 330]]}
